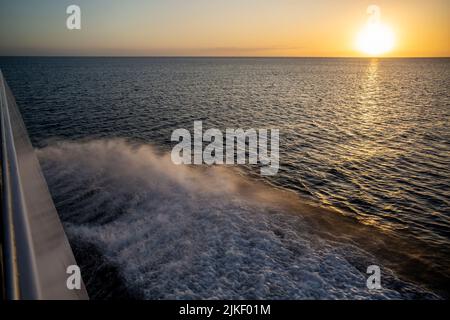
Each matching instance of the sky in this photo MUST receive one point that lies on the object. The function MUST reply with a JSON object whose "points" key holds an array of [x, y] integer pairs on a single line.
{"points": [[322, 28]]}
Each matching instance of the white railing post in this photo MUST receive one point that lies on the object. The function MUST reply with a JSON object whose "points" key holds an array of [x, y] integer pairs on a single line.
{"points": [[35, 249]]}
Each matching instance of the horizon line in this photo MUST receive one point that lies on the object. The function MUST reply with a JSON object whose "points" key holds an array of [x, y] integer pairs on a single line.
{"points": [[223, 56]]}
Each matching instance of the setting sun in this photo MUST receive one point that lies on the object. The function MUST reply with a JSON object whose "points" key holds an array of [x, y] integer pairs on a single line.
{"points": [[375, 39]]}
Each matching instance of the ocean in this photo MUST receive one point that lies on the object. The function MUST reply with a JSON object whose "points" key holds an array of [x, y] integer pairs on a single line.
{"points": [[364, 174]]}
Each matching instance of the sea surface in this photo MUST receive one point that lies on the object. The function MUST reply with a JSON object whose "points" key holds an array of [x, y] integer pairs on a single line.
{"points": [[364, 174]]}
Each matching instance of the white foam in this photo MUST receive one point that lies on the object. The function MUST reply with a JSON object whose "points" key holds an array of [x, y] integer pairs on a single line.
{"points": [[179, 232]]}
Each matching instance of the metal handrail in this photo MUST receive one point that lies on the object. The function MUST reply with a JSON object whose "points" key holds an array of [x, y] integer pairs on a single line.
{"points": [[35, 249]]}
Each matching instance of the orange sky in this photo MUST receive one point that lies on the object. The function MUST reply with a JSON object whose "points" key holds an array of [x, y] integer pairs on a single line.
{"points": [[220, 28]]}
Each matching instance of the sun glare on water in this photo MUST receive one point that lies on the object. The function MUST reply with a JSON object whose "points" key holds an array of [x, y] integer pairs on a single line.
{"points": [[375, 38]]}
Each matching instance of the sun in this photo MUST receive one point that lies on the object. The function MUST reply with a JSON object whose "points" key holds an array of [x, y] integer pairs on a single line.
{"points": [[375, 39]]}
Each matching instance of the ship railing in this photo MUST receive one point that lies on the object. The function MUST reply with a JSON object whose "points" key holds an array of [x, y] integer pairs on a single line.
{"points": [[36, 256]]}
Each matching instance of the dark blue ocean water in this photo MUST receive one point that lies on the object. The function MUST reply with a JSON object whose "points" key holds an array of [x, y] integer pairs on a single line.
{"points": [[368, 138]]}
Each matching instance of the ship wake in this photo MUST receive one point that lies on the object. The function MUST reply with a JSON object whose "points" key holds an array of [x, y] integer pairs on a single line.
{"points": [[142, 227]]}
